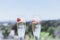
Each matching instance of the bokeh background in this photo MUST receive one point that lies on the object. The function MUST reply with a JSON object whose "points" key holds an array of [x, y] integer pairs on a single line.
{"points": [[47, 11]]}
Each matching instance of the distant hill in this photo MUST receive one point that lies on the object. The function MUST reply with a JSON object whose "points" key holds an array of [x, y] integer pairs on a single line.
{"points": [[46, 24], [9, 24], [50, 23]]}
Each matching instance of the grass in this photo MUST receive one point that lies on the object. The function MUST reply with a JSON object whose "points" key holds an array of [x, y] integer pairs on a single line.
{"points": [[45, 35]]}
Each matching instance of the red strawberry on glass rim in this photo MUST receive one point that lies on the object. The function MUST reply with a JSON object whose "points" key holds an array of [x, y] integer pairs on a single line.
{"points": [[18, 19], [33, 21]]}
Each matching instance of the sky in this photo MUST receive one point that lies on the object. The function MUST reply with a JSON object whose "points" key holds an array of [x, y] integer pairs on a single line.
{"points": [[29, 9]]}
